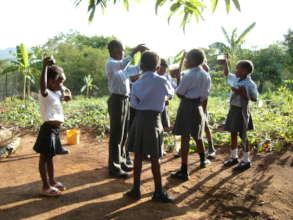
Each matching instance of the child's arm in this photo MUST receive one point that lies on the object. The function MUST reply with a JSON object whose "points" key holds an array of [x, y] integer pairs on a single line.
{"points": [[139, 48], [43, 79], [205, 67], [66, 93], [246, 93], [241, 91], [183, 87], [205, 105], [225, 66], [129, 71]]}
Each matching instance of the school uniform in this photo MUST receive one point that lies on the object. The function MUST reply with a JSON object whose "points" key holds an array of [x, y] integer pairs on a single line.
{"points": [[194, 89], [148, 99], [239, 119], [131, 110], [48, 141], [165, 114], [118, 72]]}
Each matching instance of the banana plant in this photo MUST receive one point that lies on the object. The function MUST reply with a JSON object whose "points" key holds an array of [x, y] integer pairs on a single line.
{"points": [[24, 64], [88, 85], [188, 9], [233, 42]]}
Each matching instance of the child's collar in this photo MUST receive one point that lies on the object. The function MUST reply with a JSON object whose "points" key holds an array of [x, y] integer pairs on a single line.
{"points": [[112, 58]]}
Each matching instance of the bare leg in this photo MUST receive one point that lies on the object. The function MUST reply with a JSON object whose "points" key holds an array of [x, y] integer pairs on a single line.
{"points": [[50, 167], [234, 150], [233, 141], [137, 171], [43, 171], [200, 146], [245, 143], [211, 147], [157, 174], [184, 149]]}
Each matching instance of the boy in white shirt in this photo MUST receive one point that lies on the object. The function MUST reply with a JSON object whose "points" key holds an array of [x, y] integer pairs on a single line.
{"points": [[239, 119], [119, 71]]}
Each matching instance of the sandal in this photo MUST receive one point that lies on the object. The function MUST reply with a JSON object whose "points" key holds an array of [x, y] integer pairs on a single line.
{"points": [[51, 192], [59, 186]]}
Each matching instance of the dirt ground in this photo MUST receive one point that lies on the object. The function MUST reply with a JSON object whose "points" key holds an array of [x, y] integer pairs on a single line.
{"points": [[263, 192]]}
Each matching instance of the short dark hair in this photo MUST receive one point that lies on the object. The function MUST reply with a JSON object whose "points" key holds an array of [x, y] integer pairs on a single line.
{"points": [[114, 44], [54, 72], [150, 60], [247, 65], [163, 63], [197, 56]]}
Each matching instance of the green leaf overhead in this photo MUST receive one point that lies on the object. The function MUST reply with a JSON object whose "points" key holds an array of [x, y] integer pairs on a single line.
{"points": [[188, 9]]}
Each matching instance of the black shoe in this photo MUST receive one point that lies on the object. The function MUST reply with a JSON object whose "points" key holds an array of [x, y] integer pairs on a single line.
{"points": [[162, 197], [180, 175], [119, 174], [203, 164], [134, 194], [211, 156], [242, 166], [231, 162], [64, 151], [126, 168], [177, 155]]}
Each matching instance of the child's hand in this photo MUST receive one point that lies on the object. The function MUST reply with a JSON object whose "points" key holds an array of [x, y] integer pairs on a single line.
{"points": [[66, 94], [241, 91], [206, 67], [237, 90], [175, 73], [141, 48], [47, 61]]}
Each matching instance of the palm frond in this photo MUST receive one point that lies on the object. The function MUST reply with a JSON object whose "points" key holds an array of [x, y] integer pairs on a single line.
{"points": [[244, 33], [226, 35]]}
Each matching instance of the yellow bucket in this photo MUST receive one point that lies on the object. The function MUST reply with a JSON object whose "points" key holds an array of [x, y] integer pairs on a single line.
{"points": [[73, 136]]}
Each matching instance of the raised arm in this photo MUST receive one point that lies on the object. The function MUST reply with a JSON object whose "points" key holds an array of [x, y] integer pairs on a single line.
{"points": [[43, 79], [224, 63]]}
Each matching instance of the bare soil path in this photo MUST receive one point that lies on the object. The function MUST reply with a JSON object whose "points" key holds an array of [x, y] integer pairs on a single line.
{"points": [[263, 192]]}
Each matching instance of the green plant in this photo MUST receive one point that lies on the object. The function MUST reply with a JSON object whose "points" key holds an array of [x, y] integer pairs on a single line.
{"points": [[188, 9], [88, 85], [233, 44]]}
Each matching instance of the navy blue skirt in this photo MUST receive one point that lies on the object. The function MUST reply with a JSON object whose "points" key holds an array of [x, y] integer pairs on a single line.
{"points": [[190, 119], [48, 141]]}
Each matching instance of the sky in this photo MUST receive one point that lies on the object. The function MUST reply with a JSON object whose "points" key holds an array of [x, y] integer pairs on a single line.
{"points": [[33, 22]]}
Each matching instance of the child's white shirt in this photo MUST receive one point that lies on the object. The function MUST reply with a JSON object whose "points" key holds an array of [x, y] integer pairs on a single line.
{"points": [[50, 106]]}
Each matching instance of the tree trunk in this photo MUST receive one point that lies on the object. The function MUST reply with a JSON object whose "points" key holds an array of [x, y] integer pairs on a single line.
{"points": [[6, 85], [24, 87], [28, 88]]}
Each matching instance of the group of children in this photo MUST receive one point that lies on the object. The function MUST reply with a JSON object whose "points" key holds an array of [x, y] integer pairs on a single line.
{"points": [[137, 107]]}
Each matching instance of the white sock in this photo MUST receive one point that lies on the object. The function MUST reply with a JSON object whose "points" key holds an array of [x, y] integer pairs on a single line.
{"points": [[234, 153], [246, 157]]}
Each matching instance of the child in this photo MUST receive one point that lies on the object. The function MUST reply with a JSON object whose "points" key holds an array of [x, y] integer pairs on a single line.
{"points": [[190, 120], [211, 148], [133, 79], [48, 142], [239, 119], [162, 71], [119, 71], [145, 138]]}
